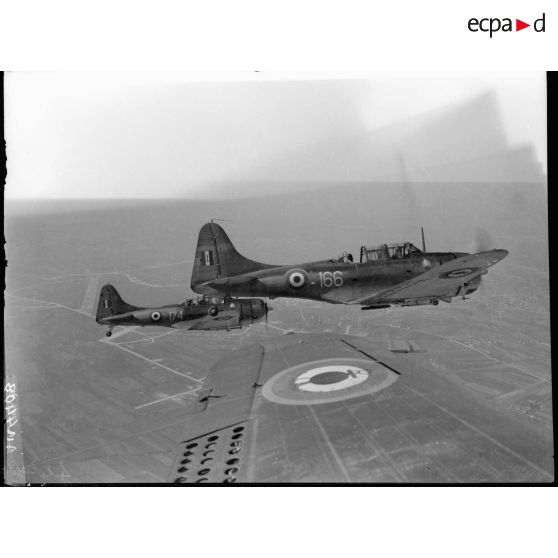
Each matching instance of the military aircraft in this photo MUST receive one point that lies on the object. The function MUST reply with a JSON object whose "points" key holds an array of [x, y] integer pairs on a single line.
{"points": [[201, 314], [386, 275]]}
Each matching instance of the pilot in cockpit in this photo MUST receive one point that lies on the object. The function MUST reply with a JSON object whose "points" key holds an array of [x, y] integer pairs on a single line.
{"points": [[344, 258]]}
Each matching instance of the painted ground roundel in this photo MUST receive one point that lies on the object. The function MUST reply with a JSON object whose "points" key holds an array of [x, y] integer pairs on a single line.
{"points": [[328, 380]]}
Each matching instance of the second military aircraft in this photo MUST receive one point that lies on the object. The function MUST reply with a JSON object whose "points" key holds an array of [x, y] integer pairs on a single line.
{"points": [[204, 313]]}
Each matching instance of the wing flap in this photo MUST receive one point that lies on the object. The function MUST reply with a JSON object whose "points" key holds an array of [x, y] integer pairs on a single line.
{"points": [[217, 457], [220, 431], [228, 319], [441, 281]]}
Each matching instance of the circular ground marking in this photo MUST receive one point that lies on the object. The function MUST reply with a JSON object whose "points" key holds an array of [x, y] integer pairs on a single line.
{"points": [[324, 381], [330, 378]]}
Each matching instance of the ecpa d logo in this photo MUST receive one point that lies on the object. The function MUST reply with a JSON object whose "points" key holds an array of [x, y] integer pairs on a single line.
{"points": [[492, 25]]}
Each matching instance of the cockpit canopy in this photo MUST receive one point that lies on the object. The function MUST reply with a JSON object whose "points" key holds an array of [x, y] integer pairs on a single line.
{"points": [[345, 257], [384, 252], [204, 300]]}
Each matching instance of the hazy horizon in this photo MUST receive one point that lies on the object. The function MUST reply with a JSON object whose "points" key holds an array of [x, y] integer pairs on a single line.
{"points": [[109, 136]]}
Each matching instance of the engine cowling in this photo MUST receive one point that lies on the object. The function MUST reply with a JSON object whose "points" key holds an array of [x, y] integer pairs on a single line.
{"points": [[248, 310], [252, 309]]}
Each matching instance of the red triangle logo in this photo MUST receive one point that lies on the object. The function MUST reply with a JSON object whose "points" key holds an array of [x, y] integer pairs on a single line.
{"points": [[519, 25]]}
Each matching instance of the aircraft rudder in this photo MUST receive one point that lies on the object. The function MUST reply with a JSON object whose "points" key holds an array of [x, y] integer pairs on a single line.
{"points": [[217, 257], [111, 303]]}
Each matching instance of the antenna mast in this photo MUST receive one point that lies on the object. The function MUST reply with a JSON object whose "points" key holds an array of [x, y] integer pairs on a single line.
{"points": [[423, 243]]}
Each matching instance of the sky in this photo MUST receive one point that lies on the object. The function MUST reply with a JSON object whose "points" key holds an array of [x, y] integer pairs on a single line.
{"points": [[155, 135]]}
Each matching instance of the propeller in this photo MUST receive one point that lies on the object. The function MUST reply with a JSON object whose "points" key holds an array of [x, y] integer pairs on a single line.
{"points": [[483, 240], [267, 309]]}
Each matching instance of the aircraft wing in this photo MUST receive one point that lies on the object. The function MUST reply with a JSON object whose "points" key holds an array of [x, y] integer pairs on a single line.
{"points": [[228, 319], [441, 281], [338, 408]]}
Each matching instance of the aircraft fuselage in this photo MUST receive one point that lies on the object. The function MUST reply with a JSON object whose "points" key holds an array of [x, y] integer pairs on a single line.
{"points": [[331, 281]]}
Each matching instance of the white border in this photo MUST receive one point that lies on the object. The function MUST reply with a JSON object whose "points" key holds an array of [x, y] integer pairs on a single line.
{"points": [[250, 35], [245, 522]]}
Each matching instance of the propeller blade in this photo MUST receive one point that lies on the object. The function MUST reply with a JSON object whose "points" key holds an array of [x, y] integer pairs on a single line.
{"points": [[481, 287], [267, 309], [483, 240]]}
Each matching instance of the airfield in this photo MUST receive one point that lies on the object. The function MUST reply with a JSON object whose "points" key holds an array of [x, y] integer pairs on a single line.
{"points": [[473, 403]]}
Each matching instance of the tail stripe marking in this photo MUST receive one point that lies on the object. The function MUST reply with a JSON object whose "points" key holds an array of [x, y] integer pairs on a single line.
{"points": [[207, 258]]}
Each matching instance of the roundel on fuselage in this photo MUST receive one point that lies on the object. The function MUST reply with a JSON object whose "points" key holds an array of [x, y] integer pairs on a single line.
{"points": [[155, 316], [297, 278], [462, 272]]}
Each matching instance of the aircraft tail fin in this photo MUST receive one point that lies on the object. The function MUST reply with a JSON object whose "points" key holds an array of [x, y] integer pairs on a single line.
{"points": [[216, 257], [111, 303]]}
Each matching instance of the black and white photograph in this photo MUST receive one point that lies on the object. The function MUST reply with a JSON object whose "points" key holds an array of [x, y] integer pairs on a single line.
{"points": [[267, 278]]}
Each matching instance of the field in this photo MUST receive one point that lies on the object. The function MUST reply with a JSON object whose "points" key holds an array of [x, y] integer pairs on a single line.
{"points": [[95, 410]]}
